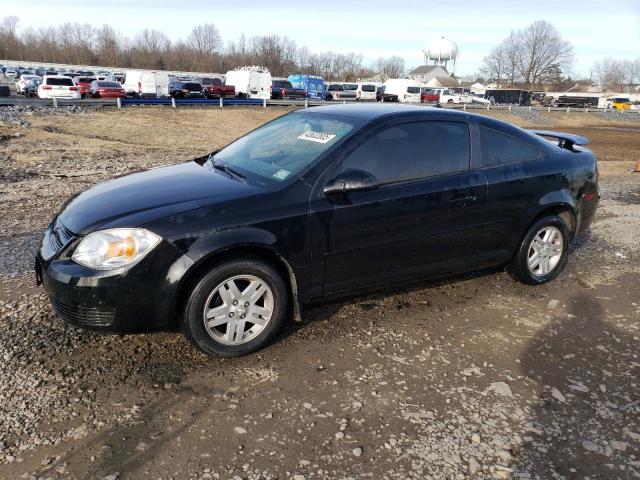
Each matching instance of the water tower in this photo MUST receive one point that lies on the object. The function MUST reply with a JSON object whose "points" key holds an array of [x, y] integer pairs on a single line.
{"points": [[442, 52]]}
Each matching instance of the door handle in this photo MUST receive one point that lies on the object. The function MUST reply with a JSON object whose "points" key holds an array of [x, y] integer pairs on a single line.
{"points": [[462, 201]]}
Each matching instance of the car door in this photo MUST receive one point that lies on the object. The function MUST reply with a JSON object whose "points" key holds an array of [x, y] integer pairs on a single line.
{"points": [[424, 217]]}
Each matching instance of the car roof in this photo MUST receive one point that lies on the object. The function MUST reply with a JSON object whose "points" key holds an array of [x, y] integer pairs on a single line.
{"points": [[372, 111]]}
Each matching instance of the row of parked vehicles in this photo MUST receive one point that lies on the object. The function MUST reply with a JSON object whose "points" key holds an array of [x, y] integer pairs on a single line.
{"points": [[257, 82], [244, 82]]}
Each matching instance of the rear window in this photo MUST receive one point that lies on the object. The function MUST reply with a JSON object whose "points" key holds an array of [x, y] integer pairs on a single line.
{"points": [[85, 80], [62, 81], [499, 148], [413, 89], [368, 88], [192, 87], [109, 84]]}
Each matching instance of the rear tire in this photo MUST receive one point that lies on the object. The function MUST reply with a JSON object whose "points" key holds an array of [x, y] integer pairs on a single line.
{"points": [[542, 253], [237, 308]]}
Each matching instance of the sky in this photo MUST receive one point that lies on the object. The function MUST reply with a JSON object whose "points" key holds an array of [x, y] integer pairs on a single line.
{"points": [[374, 28]]}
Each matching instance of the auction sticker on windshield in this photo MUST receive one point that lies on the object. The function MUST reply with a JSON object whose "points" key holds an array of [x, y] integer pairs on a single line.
{"points": [[319, 137], [282, 174]]}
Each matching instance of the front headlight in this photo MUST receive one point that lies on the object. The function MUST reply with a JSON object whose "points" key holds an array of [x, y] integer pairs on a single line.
{"points": [[114, 248]]}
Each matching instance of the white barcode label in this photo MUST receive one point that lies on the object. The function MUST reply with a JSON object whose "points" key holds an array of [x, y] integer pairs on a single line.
{"points": [[319, 137]]}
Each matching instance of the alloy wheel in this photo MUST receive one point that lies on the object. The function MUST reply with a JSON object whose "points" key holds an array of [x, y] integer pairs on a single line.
{"points": [[545, 251], [238, 309]]}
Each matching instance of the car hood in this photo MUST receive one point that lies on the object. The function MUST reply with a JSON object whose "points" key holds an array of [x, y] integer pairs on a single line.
{"points": [[139, 198]]}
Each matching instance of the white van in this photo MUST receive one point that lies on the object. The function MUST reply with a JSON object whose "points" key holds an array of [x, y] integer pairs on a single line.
{"points": [[366, 91], [408, 91], [250, 82], [146, 84]]}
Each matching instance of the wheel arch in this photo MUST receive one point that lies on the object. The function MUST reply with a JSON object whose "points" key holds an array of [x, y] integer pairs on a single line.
{"points": [[255, 251], [564, 210]]}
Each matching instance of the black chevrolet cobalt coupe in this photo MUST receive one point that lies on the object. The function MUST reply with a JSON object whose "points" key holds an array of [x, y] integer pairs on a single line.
{"points": [[319, 203]]}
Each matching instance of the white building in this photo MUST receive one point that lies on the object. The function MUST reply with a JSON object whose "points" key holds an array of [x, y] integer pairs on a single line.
{"points": [[434, 76]]}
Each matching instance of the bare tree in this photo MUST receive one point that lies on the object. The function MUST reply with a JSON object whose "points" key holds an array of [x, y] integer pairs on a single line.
{"points": [[530, 56], [392, 67], [108, 46], [540, 48], [205, 39], [615, 74], [202, 50]]}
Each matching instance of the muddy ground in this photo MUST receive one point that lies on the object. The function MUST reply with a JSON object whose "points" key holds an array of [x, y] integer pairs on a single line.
{"points": [[473, 377]]}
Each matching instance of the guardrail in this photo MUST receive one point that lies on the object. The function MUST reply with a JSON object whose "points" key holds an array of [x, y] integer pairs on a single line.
{"points": [[233, 102]]}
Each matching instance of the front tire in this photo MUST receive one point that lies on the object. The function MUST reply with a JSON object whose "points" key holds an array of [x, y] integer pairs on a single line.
{"points": [[542, 253], [236, 309]]}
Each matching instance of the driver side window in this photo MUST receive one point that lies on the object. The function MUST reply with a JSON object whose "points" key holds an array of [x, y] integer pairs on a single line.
{"points": [[413, 151]]}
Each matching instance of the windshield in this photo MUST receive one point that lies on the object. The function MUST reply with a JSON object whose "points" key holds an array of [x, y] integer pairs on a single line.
{"points": [[285, 146]]}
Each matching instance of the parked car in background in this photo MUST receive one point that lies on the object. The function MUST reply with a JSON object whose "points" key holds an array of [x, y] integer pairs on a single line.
{"points": [[428, 95], [10, 73], [58, 86], [215, 88], [146, 84], [312, 84], [619, 103], [178, 89], [322, 197], [31, 88], [83, 84], [106, 89], [250, 82], [382, 96], [24, 80], [281, 89], [448, 95], [408, 91], [366, 92], [337, 91]]}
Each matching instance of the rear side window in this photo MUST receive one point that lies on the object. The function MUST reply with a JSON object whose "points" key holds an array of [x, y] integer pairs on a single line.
{"points": [[500, 149], [413, 150], [350, 86], [368, 88], [64, 81], [413, 89]]}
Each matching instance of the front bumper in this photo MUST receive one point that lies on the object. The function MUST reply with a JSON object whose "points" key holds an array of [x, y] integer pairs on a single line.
{"points": [[142, 298]]}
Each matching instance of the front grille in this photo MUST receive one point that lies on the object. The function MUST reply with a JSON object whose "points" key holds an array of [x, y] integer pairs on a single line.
{"points": [[60, 236], [84, 316]]}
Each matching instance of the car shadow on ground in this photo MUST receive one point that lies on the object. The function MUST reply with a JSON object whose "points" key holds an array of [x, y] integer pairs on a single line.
{"points": [[369, 299], [584, 369]]}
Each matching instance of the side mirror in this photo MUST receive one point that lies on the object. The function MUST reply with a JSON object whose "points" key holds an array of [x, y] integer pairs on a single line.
{"points": [[350, 181]]}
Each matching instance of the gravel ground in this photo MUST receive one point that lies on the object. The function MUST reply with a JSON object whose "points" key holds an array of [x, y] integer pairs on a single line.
{"points": [[534, 117], [472, 377]]}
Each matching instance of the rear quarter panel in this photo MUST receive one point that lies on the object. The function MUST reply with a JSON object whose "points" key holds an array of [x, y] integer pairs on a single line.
{"points": [[527, 189]]}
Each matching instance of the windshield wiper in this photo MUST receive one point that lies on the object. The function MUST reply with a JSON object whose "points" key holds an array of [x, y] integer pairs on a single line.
{"points": [[227, 169]]}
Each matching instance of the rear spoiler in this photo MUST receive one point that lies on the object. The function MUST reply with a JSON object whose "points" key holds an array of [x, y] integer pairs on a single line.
{"points": [[565, 140]]}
